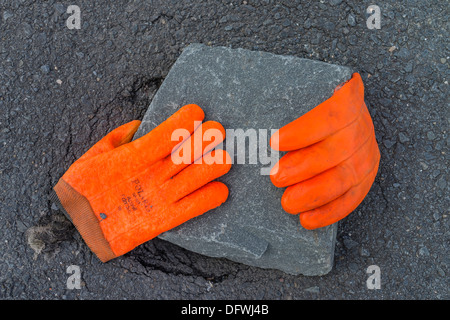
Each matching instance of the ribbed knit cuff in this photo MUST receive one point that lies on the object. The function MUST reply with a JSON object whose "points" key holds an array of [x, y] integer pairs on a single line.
{"points": [[77, 208]]}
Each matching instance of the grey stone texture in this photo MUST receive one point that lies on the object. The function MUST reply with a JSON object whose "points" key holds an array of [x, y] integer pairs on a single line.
{"points": [[254, 90]]}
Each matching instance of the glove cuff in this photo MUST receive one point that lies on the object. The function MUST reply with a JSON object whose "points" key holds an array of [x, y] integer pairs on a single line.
{"points": [[77, 208]]}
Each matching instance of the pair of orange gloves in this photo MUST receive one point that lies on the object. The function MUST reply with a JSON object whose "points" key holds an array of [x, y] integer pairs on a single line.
{"points": [[120, 194]]}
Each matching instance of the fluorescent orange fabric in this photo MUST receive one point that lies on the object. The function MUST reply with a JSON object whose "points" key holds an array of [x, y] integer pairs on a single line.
{"points": [[332, 158], [120, 194]]}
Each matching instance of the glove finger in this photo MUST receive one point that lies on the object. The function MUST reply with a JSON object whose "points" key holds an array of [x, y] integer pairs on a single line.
{"points": [[305, 163], [112, 140], [331, 184], [206, 137], [212, 165], [206, 198], [158, 143], [327, 118], [339, 208]]}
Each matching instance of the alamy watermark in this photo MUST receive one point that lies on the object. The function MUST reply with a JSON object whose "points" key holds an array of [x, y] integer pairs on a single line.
{"points": [[374, 19], [236, 143], [374, 280], [373, 13], [74, 20]]}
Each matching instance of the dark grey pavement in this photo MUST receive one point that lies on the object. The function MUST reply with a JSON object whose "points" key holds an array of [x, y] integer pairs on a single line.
{"points": [[250, 93], [61, 90]]}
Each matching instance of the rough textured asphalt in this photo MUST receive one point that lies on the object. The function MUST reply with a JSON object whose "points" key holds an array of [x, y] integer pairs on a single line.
{"points": [[61, 90]]}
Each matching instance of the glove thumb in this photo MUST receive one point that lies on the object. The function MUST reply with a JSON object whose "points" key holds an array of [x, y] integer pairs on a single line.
{"points": [[112, 140]]}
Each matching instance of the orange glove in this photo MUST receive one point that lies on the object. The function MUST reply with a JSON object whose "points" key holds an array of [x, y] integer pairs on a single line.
{"points": [[120, 194], [333, 158]]}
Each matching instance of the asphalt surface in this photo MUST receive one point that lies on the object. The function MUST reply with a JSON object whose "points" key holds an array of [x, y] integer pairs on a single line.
{"points": [[61, 90]]}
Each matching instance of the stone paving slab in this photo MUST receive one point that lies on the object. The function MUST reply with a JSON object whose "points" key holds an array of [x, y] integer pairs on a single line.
{"points": [[249, 90]]}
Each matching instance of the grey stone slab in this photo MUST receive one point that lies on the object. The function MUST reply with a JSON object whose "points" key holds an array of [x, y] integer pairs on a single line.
{"points": [[245, 89]]}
